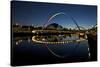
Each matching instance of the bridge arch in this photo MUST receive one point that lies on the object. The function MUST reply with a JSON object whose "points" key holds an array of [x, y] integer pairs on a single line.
{"points": [[61, 13], [81, 28], [48, 21]]}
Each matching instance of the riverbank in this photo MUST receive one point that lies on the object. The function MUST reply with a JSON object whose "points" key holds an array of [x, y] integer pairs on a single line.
{"points": [[92, 41]]}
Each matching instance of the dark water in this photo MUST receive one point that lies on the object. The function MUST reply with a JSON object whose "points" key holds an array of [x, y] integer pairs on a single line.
{"points": [[25, 51]]}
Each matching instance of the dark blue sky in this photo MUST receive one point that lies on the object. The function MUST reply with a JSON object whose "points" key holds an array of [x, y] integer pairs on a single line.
{"points": [[28, 13]]}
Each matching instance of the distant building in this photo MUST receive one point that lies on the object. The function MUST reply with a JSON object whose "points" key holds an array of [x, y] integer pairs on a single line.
{"points": [[54, 26]]}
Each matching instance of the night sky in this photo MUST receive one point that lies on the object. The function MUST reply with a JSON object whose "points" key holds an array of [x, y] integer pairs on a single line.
{"points": [[34, 13]]}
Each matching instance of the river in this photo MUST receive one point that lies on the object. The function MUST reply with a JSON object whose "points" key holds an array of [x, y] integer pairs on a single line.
{"points": [[26, 51]]}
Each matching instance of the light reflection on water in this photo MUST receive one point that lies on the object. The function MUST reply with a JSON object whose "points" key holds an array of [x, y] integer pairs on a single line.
{"points": [[74, 49]]}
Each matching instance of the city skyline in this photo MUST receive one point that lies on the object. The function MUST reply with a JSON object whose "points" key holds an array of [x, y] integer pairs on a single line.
{"points": [[33, 13]]}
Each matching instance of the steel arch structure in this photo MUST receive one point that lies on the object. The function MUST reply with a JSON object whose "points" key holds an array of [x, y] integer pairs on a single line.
{"points": [[81, 28], [45, 24], [61, 13]]}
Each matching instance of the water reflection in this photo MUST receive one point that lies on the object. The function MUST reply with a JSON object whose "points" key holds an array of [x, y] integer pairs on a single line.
{"points": [[59, 45], [59, 39]]}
